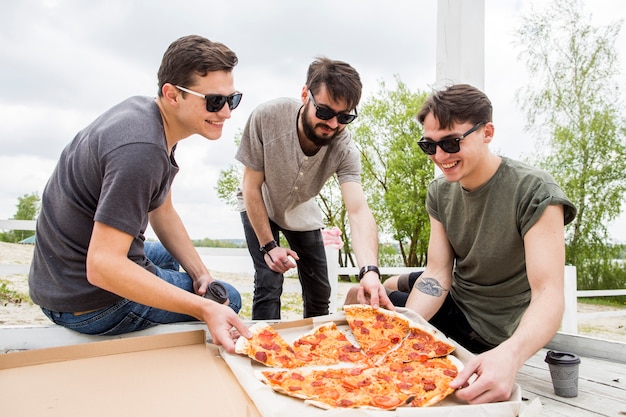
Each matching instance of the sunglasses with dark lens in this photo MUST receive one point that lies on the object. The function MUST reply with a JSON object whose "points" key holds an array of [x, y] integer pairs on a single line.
{"points": [[215, 102], [450, 145], [324, 113]]}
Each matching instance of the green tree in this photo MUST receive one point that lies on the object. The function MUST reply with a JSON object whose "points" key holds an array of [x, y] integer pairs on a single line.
{"points": [[28, 207], [574, 98], [395, 172]]}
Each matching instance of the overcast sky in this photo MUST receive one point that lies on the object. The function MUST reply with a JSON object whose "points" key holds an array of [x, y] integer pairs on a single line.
{"points": [[63, 62]]}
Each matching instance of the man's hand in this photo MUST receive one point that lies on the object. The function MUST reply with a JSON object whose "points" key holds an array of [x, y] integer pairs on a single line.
{"points": [[280, 259], [372, 292], [495, 372], [224, 325]]}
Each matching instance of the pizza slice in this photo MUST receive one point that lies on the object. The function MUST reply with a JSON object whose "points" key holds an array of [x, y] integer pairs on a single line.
{"points": [[377, 331], [327, 345], [421, 343], [268, 347], [426, 382], [353, 387]]}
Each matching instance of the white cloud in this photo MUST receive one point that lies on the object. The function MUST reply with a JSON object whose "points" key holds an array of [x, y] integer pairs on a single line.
{"points": [[66, 61]]}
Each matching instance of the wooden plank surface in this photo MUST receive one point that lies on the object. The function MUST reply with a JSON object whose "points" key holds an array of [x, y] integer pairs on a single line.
{"points": [[601, 388]]}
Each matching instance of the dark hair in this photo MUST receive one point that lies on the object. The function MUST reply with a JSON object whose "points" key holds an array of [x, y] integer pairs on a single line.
{"points": [[341, 80], [458, 103], [192, 56]]}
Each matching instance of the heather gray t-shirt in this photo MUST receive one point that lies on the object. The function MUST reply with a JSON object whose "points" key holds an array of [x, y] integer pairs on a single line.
{"points": [[114, 171], [486, 228], [292, 179]]}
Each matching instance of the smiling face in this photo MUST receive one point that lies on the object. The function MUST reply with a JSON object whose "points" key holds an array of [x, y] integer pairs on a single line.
{"points": [[185, 114], [474, 164]]}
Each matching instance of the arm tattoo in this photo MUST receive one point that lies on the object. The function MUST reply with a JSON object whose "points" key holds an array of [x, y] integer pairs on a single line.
{"points": [[430, 286]]}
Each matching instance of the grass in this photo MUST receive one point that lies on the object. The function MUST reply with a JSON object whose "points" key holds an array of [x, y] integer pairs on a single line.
{"points": [[9, 296], [290, 302], [617, 302]]}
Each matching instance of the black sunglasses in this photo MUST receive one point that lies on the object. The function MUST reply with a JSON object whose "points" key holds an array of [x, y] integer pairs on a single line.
{"points": [[325, 113], [450, 145], [215, 102]]}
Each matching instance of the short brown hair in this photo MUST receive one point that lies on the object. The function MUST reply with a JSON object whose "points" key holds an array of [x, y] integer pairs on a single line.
{"points": [[457, 103], [192, 56], [341, 80]]}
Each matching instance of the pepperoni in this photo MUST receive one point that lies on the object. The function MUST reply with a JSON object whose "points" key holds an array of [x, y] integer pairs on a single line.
{"points": [[450, 372], [429, 386], [385, 401], [418, 346], [297, 376], [365, 330], [441, 350], [294, 388], [260, 356], [344, 403], [350, 349]]}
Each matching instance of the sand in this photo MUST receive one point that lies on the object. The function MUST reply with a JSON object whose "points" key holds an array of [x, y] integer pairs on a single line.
{"points": [[22, 313]]}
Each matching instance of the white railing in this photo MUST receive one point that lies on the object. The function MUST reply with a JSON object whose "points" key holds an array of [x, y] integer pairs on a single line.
{"points": [[569, 323], [17, 224]]}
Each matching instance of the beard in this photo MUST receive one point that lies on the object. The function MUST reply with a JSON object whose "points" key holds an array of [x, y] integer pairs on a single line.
{"points": [[309, 131]]}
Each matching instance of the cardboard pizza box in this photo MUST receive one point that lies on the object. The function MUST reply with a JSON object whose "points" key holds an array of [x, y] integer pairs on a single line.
{"points": [[272, 404], [175, 374]]}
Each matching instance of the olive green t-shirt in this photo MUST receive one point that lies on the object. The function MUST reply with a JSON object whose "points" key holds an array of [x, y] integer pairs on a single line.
{"points": [[486, 228]]}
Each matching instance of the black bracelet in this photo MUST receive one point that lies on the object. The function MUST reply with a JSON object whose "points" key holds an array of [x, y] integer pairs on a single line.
{"points": [[367, 269], [268, 246]]}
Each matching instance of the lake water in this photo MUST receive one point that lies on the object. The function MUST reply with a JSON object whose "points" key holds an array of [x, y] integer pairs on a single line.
{"points": [[236, 260]]}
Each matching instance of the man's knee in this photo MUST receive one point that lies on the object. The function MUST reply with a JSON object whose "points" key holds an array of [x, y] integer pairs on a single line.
{"points": [[352, 296], [391, 283]]}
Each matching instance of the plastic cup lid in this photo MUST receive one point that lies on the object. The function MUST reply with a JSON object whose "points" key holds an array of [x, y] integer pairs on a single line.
{"points": [[561, 358]]}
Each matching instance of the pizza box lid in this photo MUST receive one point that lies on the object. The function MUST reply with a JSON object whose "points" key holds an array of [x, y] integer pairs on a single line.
{"points": [[272, 404], [174, 374]]}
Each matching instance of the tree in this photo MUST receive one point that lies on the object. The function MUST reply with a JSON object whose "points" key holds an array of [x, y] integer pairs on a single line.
{"points": [[28, 207], [574, 96], [396, 173]]}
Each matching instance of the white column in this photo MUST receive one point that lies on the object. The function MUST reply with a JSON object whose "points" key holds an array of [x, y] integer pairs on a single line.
{"points": [[460, 43], [569, 324]]}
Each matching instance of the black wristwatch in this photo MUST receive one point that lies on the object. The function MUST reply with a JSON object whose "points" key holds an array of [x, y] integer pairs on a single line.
{"points": [[367, 269], [268, 246]]}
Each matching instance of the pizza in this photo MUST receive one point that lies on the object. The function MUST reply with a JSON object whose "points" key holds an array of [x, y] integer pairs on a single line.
{"points": [[327, 345], [426, 382], [384, 361], [268, 347], [355, 387], [377, 331], [420, 344]]}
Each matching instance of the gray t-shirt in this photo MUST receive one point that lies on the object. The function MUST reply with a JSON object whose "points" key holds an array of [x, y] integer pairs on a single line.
{"points": [[115, 171], [486, 228], [292, 179]]}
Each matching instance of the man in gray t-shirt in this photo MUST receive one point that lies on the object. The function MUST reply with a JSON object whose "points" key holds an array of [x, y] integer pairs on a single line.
{"points": [[289, 149], [91, 271]]}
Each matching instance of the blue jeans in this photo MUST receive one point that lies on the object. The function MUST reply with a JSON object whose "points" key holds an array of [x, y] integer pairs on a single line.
{"points": [[312, 272], [128, 316]]}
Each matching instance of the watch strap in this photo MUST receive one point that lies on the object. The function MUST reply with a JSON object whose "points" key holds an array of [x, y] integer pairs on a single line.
{"points": [[268, 246], [367, 269]]}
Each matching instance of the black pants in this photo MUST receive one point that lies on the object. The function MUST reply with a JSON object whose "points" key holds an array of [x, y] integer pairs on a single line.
{"points": [[312, 273], [449, 319]]}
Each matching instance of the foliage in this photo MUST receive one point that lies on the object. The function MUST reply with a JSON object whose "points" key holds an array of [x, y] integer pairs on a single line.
{"points": [[28, 207], [396, 173], [574, 97], [229, 179], [219, 243]]}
